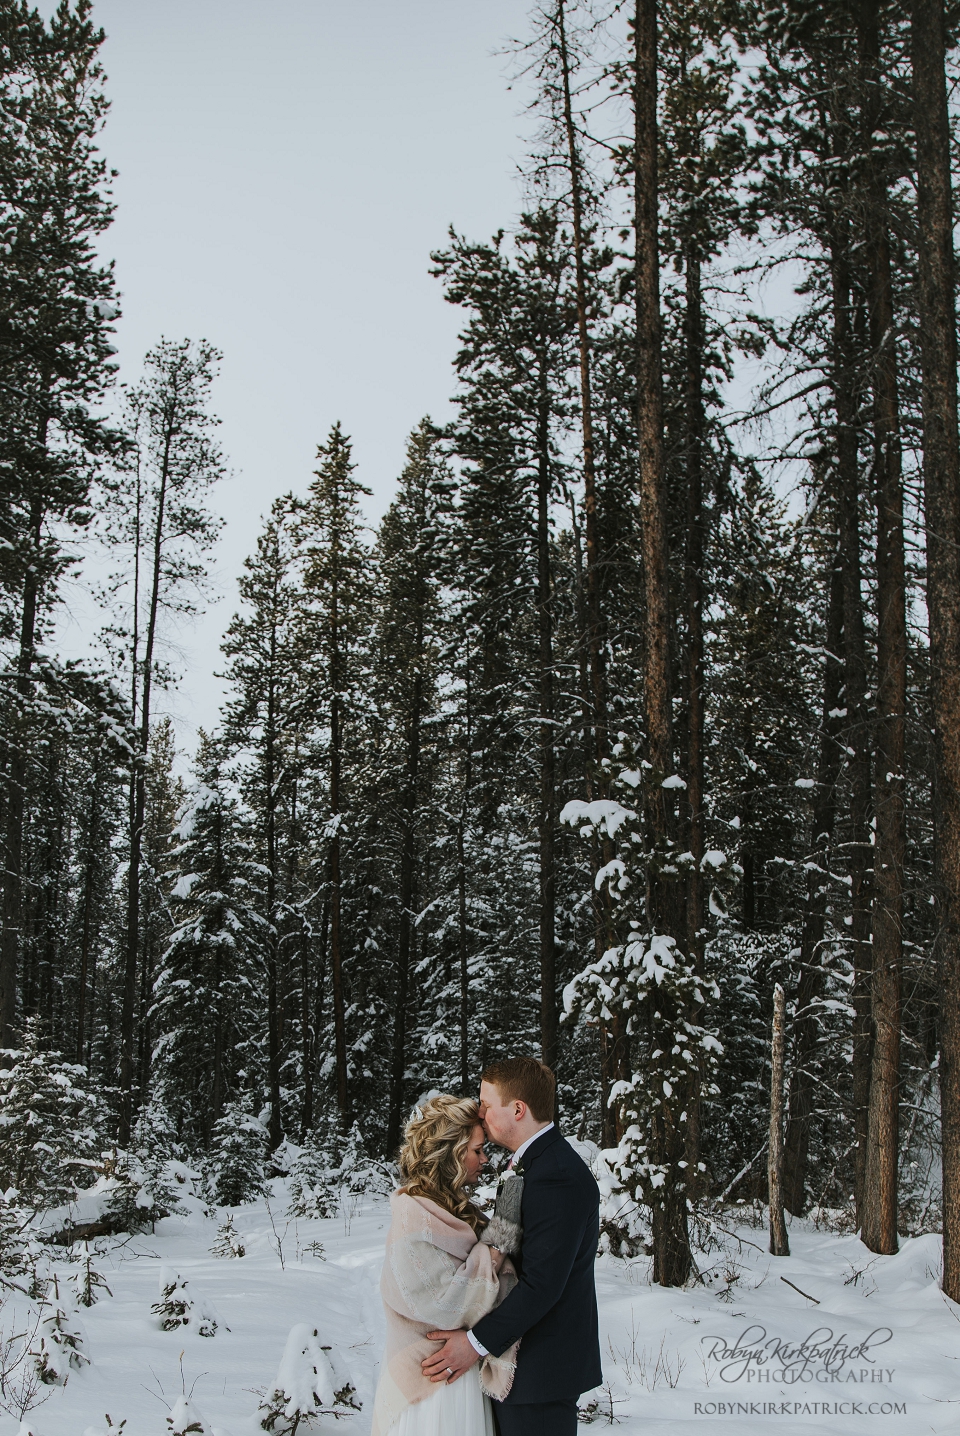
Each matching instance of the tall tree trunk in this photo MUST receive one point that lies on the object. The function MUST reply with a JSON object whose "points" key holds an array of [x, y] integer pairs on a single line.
{"points": [[879, 1226], [91, 861], [398, 1061], [796, 1141], [11, 915], [549, 1024], [464, 971], [856, 730], [693, 574], [598, 685], [138, 802], [336, 950], [274, 1019], [695, 420], [941, 474], [613, 1043], [462, 936], [779, 1242], [671, 1243], [308, 1015]]}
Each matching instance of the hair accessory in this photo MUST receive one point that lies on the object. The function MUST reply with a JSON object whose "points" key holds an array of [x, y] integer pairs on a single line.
{"points": [[416, 1115]]}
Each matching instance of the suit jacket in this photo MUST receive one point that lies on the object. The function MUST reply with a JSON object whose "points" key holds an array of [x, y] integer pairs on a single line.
{"points": [[553, 1309]]}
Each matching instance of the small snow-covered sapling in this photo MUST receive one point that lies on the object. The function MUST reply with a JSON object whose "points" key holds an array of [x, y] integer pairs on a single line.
{"points": [[185, 1420], [229, 1242], [111, 1428], [310, 1382], [177, 1307], [57, 1348], [88, 1280]]}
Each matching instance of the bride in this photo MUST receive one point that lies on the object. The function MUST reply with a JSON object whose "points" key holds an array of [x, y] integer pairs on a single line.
{"points": [[439, 1274]]}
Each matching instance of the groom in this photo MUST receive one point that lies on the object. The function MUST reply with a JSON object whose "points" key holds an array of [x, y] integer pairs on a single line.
{"points": [[553, 1309]]}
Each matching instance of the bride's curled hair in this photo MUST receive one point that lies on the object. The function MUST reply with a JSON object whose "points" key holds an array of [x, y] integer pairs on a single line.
{"points": [[435, 1142]]}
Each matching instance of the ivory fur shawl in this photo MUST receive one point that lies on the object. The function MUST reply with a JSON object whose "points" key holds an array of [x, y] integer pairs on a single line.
{"points": [[436, 1276]]}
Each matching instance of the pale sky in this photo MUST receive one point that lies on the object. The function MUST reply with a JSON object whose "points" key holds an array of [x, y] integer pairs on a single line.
{"points": [[284, 171]]}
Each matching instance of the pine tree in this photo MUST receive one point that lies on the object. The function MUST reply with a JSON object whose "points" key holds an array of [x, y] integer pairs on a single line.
{"points": [[203, 996], [337, 582], [157, 519], [59, 302], [237, 1161], [270, 715], [50, 1124], [411, 558]]}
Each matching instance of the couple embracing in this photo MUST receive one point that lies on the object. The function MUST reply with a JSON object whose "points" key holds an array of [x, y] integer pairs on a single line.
{"points": [[491, 1325]]}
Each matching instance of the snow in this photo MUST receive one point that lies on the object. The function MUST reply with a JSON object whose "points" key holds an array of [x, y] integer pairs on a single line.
{"points": [[743, 1347]]}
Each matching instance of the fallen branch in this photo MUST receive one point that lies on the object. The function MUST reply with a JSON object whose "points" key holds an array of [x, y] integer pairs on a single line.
{"points": [[802, 1293]]}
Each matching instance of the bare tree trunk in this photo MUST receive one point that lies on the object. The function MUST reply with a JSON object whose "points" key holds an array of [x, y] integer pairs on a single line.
{"points": [[138, 799], [941, 473], [879, 1226], [779, 1242], [671, 1242], [598, 685], [806, 1030]]}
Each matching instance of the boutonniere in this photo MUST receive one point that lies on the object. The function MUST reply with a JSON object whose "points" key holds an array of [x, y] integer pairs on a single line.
{"points": [[516, 1171]]}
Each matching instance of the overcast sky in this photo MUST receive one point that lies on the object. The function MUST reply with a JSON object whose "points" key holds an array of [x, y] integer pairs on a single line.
{"points": [[284, 171]]}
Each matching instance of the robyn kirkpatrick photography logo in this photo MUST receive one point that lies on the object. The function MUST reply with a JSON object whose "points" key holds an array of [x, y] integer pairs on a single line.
{"points": [[756, 1358]]}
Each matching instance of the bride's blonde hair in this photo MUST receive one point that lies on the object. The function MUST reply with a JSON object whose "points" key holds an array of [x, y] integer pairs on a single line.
{"points": [[435, 1143]]}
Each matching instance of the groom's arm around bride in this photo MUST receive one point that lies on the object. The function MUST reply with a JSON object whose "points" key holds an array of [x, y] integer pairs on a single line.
{"points": [[553, 1309]]}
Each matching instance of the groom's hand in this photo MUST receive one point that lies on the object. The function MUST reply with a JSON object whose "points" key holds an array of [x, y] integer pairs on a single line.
{"points": [[455, 1356]]}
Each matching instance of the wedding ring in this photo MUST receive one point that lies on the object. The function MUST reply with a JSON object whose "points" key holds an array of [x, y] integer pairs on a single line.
{"points": [[449, 1370]]}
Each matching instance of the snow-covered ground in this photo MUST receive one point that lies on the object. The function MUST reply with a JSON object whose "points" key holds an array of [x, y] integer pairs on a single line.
{"points": [[882, 1347]]}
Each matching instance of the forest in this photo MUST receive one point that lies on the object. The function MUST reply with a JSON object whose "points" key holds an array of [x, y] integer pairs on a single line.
{"points": [[629, 734]]}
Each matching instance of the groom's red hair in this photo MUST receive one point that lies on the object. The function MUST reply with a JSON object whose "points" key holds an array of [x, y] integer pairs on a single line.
{"points": [[524, 1079]]}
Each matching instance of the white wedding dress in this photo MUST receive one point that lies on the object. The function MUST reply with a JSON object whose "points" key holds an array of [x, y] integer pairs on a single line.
{"points": [[459, 1408]]}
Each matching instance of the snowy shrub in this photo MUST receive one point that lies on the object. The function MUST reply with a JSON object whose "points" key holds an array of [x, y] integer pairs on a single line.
{"points": [[15, 1246], [111, 1428], [238, 1163], [649, 983], [57, 1347], [310, 1382], [358, 1172], [185, 1420], [177, 1307], [228, 1242], [88, 1281], [138, 1197], [311, 1192], [49, 1123]]}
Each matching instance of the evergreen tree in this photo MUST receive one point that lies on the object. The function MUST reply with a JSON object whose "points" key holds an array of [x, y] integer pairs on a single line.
{"points": [[157, 520], [59, 302], [270, 715], [205, 999], [337, 581]]}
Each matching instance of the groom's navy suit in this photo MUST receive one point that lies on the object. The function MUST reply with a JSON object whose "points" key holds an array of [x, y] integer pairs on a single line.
{"points": [[553, 1308]]}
